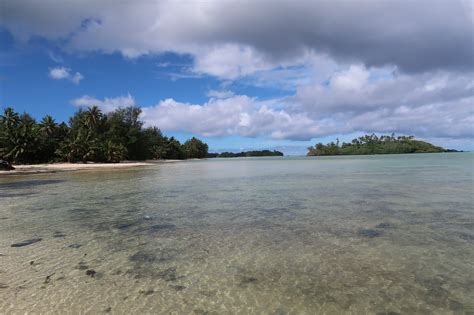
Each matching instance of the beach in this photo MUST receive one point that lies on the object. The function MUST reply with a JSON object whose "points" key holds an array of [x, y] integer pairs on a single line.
{"points": [[68, 167]]}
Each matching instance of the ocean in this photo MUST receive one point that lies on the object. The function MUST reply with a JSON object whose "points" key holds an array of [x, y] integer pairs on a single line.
{"points": [[282, 235]]}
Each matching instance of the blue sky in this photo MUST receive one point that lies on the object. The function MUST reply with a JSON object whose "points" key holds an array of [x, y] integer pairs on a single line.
{"points": [[243, 81]]}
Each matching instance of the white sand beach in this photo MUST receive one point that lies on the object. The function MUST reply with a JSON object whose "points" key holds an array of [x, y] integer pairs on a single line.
{"points": [[65, 167]]}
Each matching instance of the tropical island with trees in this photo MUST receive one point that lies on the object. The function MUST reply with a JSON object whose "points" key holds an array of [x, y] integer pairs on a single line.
{"points": [[245, 154], [89, 136], [372, 144], [93, 136]]}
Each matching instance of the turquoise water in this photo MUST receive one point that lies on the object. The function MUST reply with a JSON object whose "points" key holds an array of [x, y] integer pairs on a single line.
{"points": [[295, 235]]}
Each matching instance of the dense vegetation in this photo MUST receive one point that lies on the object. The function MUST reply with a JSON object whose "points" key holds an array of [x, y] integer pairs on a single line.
{"points": [[371, 144], [245, 154], [91, 136]]}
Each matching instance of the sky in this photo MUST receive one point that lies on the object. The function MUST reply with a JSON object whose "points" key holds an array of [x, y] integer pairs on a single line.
{"points": [[243, 75]]}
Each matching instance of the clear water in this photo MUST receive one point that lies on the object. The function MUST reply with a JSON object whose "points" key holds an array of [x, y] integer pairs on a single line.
{"points": [[370, 234]]}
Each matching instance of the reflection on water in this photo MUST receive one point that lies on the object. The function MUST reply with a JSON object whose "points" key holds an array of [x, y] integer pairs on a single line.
{"points": [[375, 234]]}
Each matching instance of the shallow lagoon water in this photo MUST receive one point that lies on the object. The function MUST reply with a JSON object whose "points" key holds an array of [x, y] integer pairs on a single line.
{"points": [[369, 234]]}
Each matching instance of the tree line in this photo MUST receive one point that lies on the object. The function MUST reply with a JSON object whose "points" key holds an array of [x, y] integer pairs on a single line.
{"points": [[89, 136], [372, 144], [245, 154]]}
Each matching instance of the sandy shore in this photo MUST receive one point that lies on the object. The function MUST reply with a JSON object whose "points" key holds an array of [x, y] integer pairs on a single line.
{"points": [[67, 167]]}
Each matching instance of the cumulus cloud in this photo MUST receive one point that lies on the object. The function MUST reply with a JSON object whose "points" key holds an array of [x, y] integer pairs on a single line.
{"points": [[230, 61], [107, 104], [249, 117], [346, 67], [59, 73], [217, 117], [448, 120], [415, 36], [62, 73], [359, 89], [224, 116]]}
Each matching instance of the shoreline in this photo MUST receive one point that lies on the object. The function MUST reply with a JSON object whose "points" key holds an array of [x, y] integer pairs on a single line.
{"points": [[31, 169]]}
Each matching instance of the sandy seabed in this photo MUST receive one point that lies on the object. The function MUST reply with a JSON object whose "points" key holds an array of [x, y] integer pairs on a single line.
{"points": [[353, 235]]}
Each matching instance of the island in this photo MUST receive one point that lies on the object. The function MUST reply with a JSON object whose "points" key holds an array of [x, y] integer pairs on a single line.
{"points": [[373, 144], [245, 154]]}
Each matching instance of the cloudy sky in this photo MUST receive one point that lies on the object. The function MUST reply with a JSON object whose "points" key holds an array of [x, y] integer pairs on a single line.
{"points": [[247, 74]]}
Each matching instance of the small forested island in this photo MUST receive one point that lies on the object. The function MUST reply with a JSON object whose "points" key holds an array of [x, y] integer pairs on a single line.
{"points": [[245, 154], [90, 136], [372, 144]]}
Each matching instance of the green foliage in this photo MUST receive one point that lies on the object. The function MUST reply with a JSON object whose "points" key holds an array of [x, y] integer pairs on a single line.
{"points": [[114, 152], [124, 126], [90, 136], [245, 154], [19, 137], [371, 144], [173, 149], [195, 148]]}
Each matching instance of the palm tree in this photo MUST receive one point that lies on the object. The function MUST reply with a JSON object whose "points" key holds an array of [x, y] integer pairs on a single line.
{"points": [[92, 117], [9, 119], [74, 149], [22, 142], [114, 152], [49, 138], [48, 125]]}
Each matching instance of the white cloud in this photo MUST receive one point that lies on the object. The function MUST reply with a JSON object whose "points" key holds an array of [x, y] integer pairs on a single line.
{"points": [[55, 58], [230, 61], [348, 67], [59, 73], [358, 89], [353, 99], [217, 117], [220, 93], [236, 115], [106, 105], [76, 78], [448, 114], [229, 39], [62, 73], [352, 79]]}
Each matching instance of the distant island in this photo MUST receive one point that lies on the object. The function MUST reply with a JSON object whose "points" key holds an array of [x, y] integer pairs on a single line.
{"points": [[245, 154], [372, 144], [89, 136]]}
